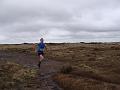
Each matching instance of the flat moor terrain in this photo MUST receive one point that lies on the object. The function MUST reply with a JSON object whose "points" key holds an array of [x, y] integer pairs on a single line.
{"points": [[67, 66]]}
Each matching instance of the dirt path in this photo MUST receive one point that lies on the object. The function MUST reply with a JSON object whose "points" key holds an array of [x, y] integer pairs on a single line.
{"points": [[49, 68], [43, 81]]}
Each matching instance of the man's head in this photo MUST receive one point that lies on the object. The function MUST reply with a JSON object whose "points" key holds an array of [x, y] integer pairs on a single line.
{"points": [[41, 40]]}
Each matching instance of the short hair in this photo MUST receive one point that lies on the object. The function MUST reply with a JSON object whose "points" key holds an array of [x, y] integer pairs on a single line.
{"points": [[41, 39]]}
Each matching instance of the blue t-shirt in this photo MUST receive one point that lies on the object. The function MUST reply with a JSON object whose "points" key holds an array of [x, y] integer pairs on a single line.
{"points": [[41, 46]]}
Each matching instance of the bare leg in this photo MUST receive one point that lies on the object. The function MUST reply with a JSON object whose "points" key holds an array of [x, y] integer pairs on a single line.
{"points": [[41, 58]]}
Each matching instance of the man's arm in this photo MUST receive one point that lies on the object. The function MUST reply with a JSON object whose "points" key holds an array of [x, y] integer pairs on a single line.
{"points": [[45, 47]]}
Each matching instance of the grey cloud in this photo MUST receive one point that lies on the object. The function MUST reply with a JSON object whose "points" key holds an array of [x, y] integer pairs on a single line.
{"points": [[59, 20]]}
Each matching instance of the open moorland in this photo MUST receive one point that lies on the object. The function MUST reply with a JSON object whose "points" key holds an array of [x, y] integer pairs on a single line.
{"points": [[75, 66]]}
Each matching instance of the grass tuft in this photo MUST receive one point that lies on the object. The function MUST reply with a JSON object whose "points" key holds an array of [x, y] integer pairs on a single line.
{"points": [[66, 69]]}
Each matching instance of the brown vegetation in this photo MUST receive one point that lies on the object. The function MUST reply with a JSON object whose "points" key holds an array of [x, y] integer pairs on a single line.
{"points": [[14, 76], [93, 66], [96, 62]]}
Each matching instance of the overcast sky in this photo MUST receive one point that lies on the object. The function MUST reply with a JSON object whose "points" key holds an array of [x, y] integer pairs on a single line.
{"points": [[59, 20]]}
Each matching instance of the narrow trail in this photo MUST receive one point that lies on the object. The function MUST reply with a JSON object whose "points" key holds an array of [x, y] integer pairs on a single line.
{"points": [[47, 70], [43, 80]]}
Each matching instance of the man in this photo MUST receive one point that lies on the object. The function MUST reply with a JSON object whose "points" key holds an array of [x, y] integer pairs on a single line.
{"points": [[40, 50]]}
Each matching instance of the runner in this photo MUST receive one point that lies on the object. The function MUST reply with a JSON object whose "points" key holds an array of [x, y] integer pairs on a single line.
{"points": [[40, 51]]}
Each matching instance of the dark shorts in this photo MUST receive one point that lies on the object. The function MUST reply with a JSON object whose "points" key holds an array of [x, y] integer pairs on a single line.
{"points": [[40, 53]]}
